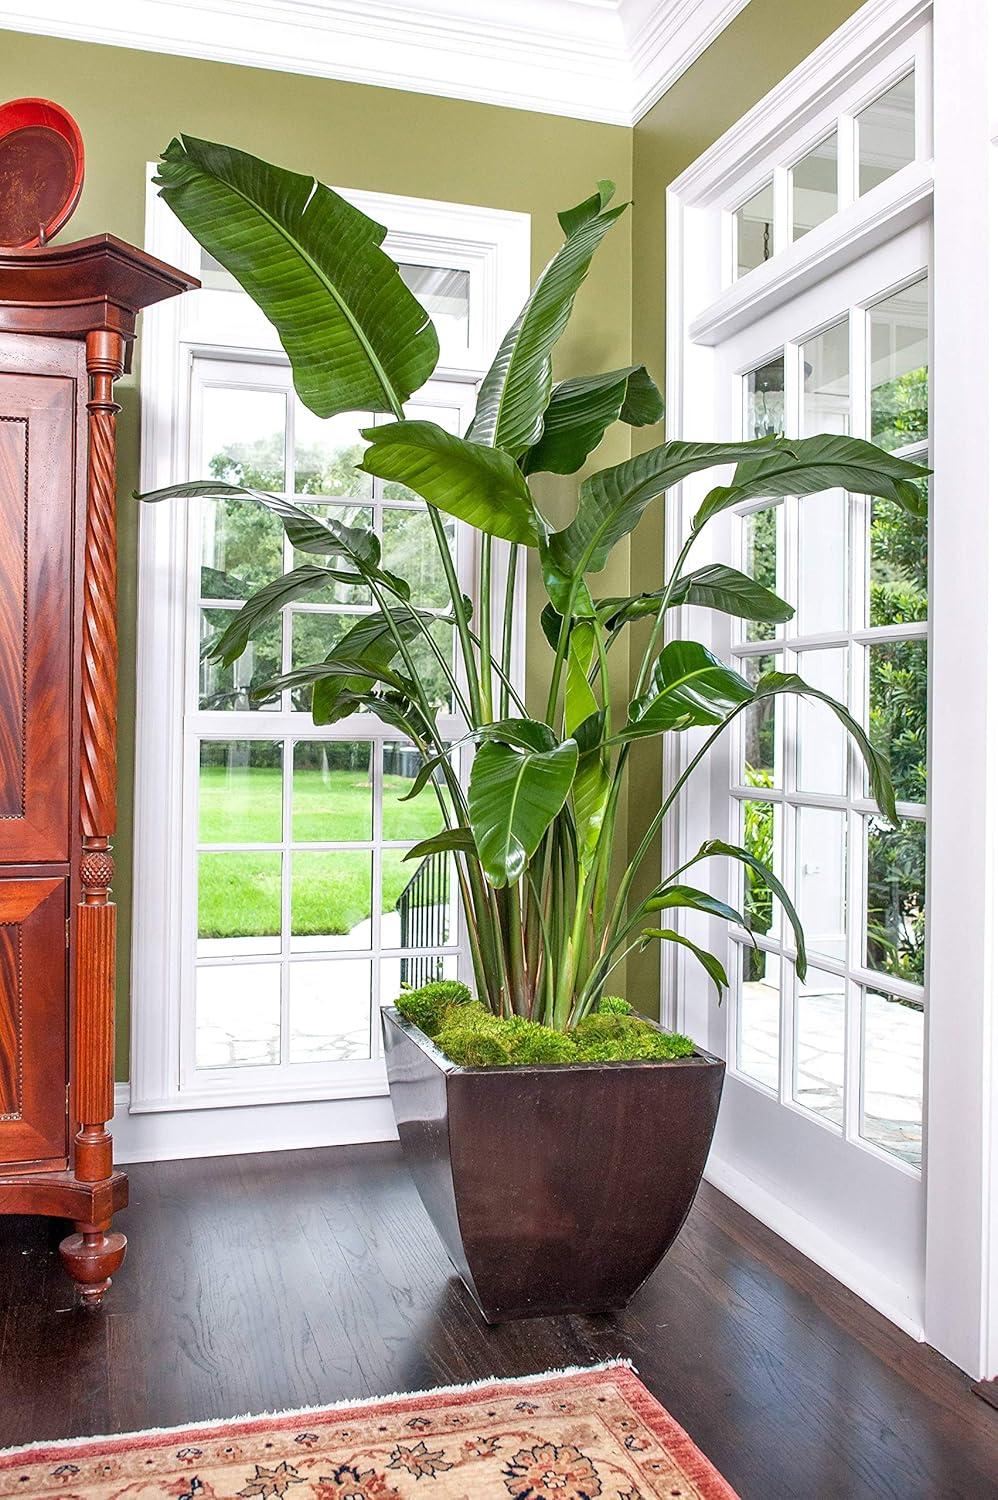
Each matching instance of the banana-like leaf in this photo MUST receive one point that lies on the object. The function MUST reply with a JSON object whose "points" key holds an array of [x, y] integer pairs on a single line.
{"points": [[482, 486], [306, 531], [713, 965], [353, 667], [612, 502], [877, 764], [805, 466], [448, 841], [356, 337], [513, 797], [591, 788], [711, 587], [734, 851], [370, 641], [689, 898], [580, 702], [581, 410], [689, 686], [268, 602], [515, 392]]}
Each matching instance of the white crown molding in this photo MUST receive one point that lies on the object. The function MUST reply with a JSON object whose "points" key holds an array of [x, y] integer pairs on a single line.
{"points": [[605, 60]]}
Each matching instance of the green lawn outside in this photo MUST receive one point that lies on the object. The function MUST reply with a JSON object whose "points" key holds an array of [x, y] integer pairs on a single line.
{"points": [[239, 895]]}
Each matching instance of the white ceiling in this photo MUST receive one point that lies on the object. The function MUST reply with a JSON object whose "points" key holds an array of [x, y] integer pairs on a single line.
{"points": [[591, 59]]}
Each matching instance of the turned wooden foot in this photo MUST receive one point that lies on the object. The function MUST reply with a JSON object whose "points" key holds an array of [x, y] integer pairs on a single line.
{"points": [[91, 1256]]}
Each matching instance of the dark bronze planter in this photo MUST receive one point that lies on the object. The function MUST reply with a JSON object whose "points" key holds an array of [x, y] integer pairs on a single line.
{"points": [[554, 1189]]}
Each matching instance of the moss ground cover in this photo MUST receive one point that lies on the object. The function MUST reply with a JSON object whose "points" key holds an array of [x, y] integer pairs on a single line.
{"points": [[473, 1037]]}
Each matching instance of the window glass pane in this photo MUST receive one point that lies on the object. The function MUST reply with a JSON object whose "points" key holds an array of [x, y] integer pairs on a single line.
{"points": [[895, 899], [242, 436], [759, 828], [821, 739], [823, 575], [446, 295], [761, 739], [239, 792], [415, 819], [754, 230], [758, 1037], [426, 664], [340, 593], [417, 900], [232, 687], [760, 543], [331, 791], [899, 376], [898, 686], [329, 1010], [899, 563], [819, 1044], [242, 548], [825, 398], [410, 551], [886, 134], [239, 904], [893, 1042], [327, 451], [331, 899], [815, 181], [764, 400], [821, 879], [238, 1015]]}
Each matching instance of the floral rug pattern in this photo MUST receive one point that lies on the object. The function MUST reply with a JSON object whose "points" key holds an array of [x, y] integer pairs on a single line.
{"points": [[571, 1436]]}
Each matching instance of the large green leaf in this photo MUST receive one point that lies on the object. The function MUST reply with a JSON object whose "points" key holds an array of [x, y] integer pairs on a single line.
{"points": [[513, 797], [581, 410], [306, 531], [479, 485], [513, 396], [356, 337], [580, 701], [711, 587], [371, 641], [590, 788], [268, 602], [734, 851], [689, 686], [877, 764], [447, 841], [805, 466], [689, 898], [713, 965], [612, 502]]}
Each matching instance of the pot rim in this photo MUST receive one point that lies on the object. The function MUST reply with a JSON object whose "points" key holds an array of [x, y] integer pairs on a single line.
{"points": [[444, 1063]]}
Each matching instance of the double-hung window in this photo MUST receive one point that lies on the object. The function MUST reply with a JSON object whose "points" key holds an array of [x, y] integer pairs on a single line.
{"points": [[275, 907]]}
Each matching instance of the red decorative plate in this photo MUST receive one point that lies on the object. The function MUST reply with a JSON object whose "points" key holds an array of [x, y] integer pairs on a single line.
{"points": [[41, 171]]}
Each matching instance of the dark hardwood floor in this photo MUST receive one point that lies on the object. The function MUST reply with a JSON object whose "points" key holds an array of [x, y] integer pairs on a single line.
{"points": [[258, 1283]]}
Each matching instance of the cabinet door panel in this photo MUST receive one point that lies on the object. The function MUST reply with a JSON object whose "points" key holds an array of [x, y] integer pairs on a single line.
{"points": [[36, 614], [32, 1020]]}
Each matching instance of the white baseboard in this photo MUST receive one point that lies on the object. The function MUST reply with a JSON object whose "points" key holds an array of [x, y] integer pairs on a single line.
{"points": [[866, 1280], [181, 1134]]}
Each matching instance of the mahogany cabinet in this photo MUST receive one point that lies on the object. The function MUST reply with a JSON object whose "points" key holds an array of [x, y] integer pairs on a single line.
{"points": [[67, 325]]}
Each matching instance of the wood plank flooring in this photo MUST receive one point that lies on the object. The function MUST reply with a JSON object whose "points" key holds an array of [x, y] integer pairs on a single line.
{"points": [[259, 1283]]}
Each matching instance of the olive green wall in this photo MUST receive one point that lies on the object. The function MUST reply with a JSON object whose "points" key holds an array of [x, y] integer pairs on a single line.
{"points": [[760, 46], [130, 103]]}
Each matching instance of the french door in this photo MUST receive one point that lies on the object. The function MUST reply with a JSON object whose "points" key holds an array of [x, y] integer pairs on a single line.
{"points": [[823, 1102]]}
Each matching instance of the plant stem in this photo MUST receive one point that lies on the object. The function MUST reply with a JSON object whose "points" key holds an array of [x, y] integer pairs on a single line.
{"points": [[485, 625], [509, 604]]}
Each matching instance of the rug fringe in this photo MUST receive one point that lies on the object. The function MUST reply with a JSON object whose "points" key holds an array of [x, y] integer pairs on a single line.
{"points": [[332, 1406]]}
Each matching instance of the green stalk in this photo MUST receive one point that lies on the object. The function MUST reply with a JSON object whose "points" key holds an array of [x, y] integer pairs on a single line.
{"points": [[485, 625], [509, 603], [457, 603], [646, 660]]}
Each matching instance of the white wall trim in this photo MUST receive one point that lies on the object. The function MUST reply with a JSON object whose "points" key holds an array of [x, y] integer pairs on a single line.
{"points": [[860, 1276], [606, 60], [184, 1134]]}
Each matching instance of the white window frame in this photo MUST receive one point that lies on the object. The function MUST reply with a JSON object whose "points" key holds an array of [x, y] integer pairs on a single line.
{"points": [[494, 246], [957, 1310]]}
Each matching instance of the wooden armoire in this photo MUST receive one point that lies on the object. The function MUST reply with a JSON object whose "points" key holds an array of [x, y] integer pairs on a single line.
{"points": [[67, 325]]}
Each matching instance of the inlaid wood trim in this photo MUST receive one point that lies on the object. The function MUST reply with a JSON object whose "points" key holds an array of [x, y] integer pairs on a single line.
{"points": [[12, 977], [7, 731]]}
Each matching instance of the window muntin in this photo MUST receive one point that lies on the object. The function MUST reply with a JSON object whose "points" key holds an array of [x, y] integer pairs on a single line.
{"points": [[856, 571]]}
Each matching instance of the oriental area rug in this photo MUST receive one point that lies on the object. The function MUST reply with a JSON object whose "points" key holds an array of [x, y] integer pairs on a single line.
{"points": [[567, 1435]]}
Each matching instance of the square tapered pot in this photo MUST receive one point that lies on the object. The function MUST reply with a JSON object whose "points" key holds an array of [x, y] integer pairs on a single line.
{"points": [[555, 1188]]}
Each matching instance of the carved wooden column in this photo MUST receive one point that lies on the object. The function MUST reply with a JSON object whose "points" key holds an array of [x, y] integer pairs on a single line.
{"points": [[94, 1253]]}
